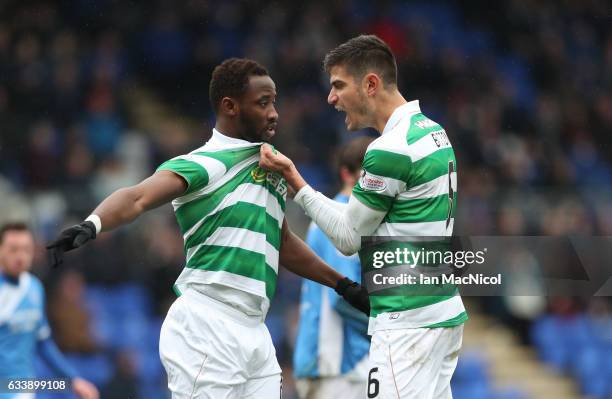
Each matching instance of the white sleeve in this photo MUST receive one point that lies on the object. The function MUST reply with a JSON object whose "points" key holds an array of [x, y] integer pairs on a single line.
{"points": [[344, 224]]}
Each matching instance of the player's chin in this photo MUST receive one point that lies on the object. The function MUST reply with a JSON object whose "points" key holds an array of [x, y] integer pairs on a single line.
{"points": [[354, 125], [351, 127], [267, 134]]}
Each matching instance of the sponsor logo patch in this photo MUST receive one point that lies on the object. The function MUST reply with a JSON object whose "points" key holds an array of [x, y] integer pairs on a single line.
{"points": [[440, 138], [426, 123], [393, 316], [258, 174], [371, 183], [273, 179]]}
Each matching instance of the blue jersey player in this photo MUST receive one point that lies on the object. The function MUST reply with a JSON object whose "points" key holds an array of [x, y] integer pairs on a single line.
{"points": [[24, 331], [330, 358]]}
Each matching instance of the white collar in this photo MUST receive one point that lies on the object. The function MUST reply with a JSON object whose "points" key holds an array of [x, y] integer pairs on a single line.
{"points": [[400, 113], [223, 139], [11, 295]]}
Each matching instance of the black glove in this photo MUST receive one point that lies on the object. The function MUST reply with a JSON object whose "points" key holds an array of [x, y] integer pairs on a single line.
{"points": [[69, 239], [355, 294]]}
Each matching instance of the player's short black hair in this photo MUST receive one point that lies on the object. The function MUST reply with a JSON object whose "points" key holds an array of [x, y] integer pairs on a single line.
{"points": [[13, 226], [352, 153], [362, 54], [231, 79]]}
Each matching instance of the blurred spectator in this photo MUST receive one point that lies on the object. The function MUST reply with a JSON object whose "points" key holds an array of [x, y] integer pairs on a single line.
{"points": [[124, 383], [69, 317]]}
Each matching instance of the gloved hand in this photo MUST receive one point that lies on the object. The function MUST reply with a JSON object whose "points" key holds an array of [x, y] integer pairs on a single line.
{"points": [[354, 293], [69, 239]]}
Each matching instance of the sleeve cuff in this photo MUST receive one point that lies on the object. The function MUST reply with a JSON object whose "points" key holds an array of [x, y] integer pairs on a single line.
{"points": [[304, 193], [95, 219]]}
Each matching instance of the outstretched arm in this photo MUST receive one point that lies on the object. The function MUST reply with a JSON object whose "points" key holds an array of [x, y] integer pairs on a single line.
{"points": [[48, 350], [126, 204], [121, 207]]}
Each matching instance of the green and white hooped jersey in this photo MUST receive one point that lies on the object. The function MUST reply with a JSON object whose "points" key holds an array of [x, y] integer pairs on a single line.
{"points": [[231, 218], [410, 172]]}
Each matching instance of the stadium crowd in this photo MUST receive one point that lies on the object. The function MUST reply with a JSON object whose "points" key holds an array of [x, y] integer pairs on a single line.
{"points": [[523, 88]]}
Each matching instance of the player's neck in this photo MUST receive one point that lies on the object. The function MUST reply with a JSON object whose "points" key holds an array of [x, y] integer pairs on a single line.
{"points": [[346, 190], [227, 129], [388, 104]]}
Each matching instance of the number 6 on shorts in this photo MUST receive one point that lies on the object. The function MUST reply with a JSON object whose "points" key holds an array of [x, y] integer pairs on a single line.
{"points": [[373, 384]]}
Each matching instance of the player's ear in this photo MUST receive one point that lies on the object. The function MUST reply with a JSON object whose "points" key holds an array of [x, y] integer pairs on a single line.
{"points": [[372, 83], [229, 106], [345, 175]]}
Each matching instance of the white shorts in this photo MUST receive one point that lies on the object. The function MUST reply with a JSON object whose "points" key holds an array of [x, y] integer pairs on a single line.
{"points": [[211, 350], [330, 387], [413, 363]]}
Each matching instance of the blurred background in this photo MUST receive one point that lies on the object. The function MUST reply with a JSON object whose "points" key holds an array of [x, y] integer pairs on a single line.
{"points": [[94, 95]]}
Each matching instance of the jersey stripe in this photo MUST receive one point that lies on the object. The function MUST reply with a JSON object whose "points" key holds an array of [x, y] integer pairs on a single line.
{"points": [[213, 168], [432, 167], [432, 188], [236, 237], [372, 200], [384, 300], [424, 147], [214, 185], [421, 229], [388, 164], [423, 209], [447, 311], [243, 215], [235, 280], [194, 174], [237, 261]]}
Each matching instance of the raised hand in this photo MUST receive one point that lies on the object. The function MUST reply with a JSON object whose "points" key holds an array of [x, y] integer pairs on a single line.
{"points": [[273, 160], [69, 239]]}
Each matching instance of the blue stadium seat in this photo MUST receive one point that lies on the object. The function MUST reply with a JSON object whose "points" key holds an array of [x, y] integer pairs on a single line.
{"points": [[596, 386], [576, 332], [580, 345], [131, 299], [96, 368], [471, 391], [98, 302], [510, 393], [516, 73], [549, 344], [471, 369]]}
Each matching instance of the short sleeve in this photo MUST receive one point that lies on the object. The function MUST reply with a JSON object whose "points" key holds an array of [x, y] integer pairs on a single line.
{"points": [[194, 174], [384, 176]]}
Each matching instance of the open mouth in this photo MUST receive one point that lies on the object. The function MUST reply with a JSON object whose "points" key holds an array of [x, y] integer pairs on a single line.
{"points": [[271, 129], [346, 118]]}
